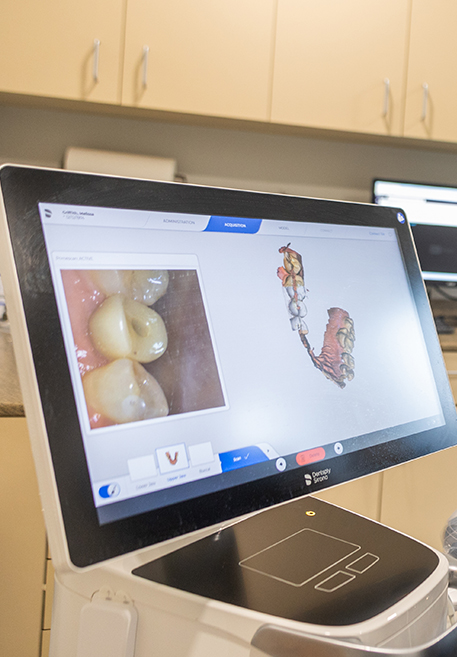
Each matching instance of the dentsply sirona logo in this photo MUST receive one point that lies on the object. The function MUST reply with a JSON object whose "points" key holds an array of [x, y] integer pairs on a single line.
{"points": [[308, 480], [47, 213]]}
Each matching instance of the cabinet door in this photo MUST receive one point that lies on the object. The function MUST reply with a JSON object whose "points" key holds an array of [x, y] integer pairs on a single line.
{"points": [[431, 100], [49, 48], [208, 57], [341, 65], [22, 544]]}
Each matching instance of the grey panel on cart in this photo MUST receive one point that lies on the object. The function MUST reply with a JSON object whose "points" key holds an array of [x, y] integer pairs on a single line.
{"points": [[300, 561]]}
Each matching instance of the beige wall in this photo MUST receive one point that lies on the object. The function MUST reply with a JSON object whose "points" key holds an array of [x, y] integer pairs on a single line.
{"points": [[325, 167]]}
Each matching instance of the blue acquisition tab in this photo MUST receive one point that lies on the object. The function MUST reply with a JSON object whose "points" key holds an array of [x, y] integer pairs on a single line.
{"points": [[233, 225]]}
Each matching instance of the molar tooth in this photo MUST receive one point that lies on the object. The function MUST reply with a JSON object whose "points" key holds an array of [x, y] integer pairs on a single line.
{"points": [[108, 328], [155, 401], [295, 323], [292, 264], [341, 336], [112, 391], [297, 308], [112, 281], [301, 293], [348, 345], [144, 286], [121, 327], [290, 281], [347, 372], [348, 359], [147, 332], [303, 327], [149, 286], [124, 392]]}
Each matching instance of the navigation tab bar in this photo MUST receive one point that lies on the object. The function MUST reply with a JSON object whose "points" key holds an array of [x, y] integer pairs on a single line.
{"points": [[233, 225]]}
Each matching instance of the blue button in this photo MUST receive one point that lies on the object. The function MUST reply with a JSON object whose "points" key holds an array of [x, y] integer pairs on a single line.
{"points": [[240, 458], [233, 225], [111, 490]]}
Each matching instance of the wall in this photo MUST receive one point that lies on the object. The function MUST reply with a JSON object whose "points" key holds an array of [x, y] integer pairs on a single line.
{"points": [[221, 156]]}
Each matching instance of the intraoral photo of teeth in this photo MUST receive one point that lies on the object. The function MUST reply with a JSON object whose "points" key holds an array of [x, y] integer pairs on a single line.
{"points": [[142, 343]]}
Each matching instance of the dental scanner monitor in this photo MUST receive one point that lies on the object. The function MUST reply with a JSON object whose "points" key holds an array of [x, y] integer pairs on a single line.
{"points": [[189, 355]]}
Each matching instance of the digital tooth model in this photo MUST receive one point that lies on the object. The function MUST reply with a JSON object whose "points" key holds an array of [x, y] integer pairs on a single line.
{"points": [[293, 283], [335, 360]]}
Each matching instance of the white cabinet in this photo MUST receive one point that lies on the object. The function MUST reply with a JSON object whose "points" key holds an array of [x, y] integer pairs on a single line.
{"points": [[431, 94], [62, 48], [210, 57], [359, 66], [341, 65], [22, 544]]}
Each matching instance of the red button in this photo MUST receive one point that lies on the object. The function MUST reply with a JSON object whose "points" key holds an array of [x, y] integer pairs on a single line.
{"points": [[310, 456]]}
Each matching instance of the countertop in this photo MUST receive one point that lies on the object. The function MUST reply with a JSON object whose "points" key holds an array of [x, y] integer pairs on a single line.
{"points": [[10, 392]]}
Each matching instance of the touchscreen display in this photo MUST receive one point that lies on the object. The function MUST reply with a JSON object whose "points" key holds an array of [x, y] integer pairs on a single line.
{"points": [[207, 351], [189, 354]]}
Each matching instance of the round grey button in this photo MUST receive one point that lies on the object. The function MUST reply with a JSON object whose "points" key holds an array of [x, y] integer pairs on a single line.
{"points": [[281, 464]]}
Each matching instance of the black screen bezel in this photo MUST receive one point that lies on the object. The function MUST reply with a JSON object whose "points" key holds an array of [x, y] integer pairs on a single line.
{"points": [[88, 541]]}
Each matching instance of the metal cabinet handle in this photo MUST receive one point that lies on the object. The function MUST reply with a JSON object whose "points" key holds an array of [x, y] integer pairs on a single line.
{"points": [[96, 59], [385, 106], [145, 66], [424, 101]]}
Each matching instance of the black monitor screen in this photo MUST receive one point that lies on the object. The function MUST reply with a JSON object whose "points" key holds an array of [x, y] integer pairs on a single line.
{"points": [[432, 213], [202, 353]]}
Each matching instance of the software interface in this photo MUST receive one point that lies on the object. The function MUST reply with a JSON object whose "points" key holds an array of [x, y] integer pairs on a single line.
{"points": [[201, 346], [432, 212]]}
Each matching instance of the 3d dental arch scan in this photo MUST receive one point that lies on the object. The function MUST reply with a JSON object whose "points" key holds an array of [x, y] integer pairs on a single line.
{"points": [[216, 353]]}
